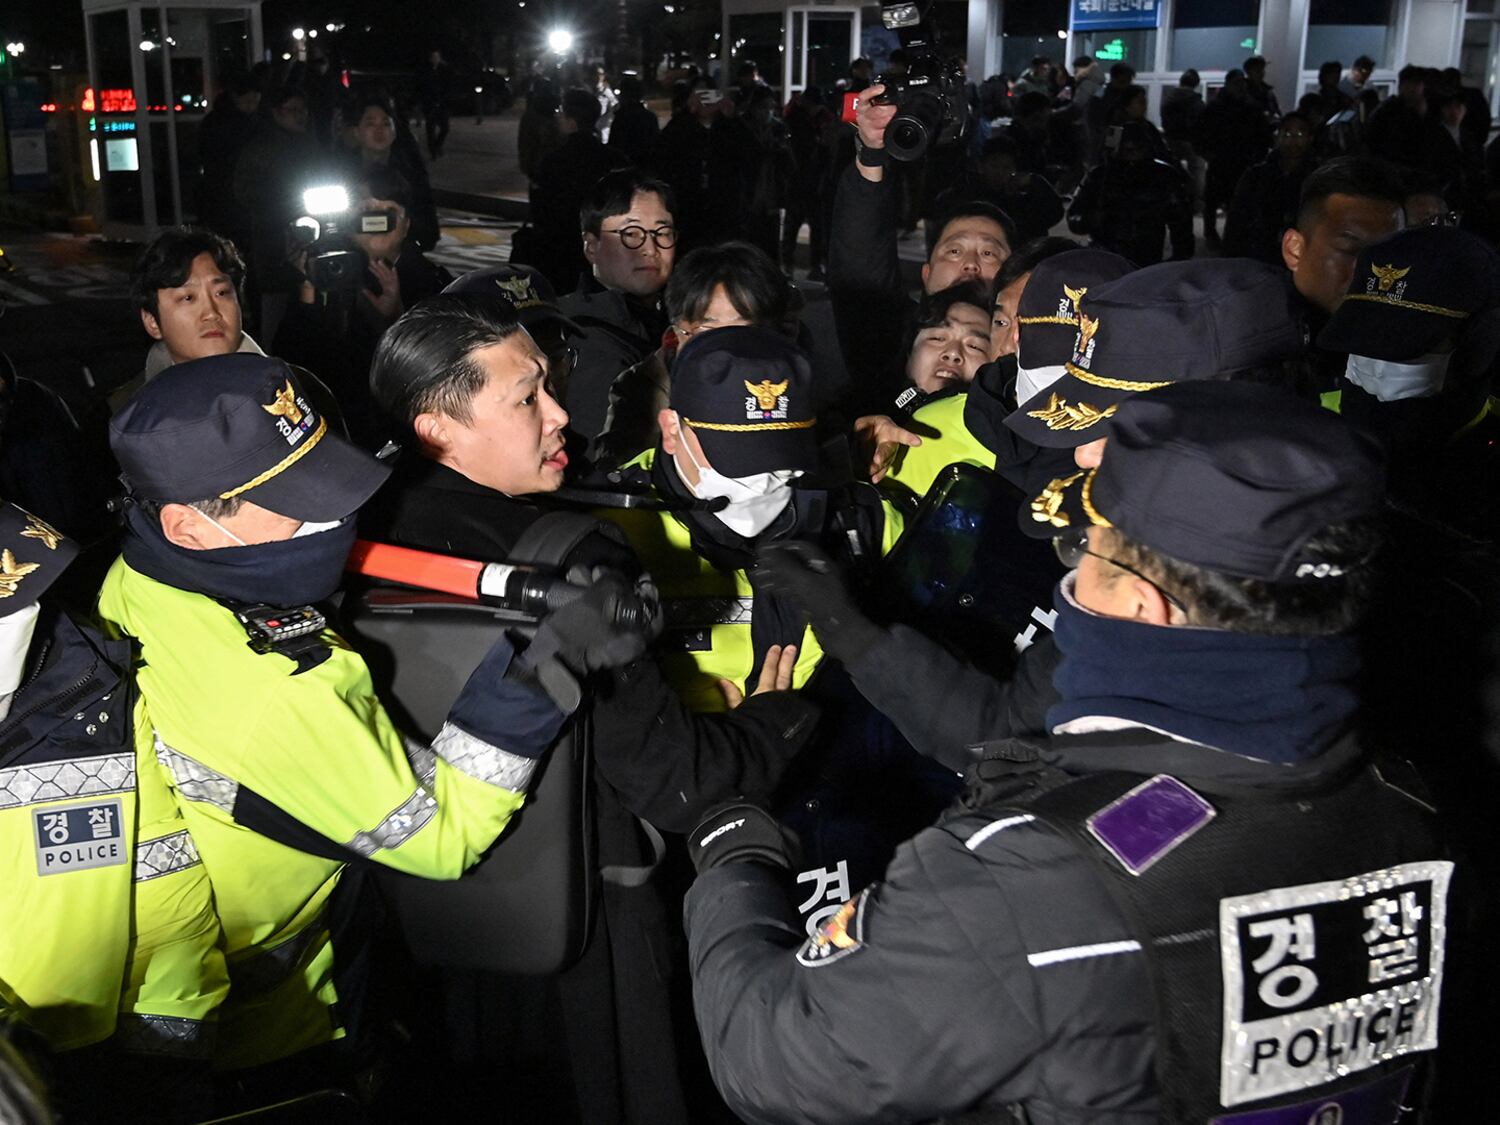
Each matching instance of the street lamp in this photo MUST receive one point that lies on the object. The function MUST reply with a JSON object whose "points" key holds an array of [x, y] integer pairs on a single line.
{"points": [[147, 45], [560, 41], [16, 48]]}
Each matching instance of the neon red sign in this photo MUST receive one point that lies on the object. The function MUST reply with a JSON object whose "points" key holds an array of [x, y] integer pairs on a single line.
{"points": [[117, 101]]}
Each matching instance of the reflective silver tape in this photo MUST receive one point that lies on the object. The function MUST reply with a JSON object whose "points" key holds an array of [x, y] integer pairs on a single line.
{"points": [[195, 781], [702, 613], [482, 761], [176, 1036], [165, 855], [423, 761], [400, 826], [57, 781]]}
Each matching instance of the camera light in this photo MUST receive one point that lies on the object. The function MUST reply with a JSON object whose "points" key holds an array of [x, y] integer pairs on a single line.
{"points": [[308, 228], [896, 16], [331, 199], [560, 41]]}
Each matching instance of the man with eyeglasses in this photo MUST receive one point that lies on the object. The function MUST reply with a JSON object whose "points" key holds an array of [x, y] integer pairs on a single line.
{"points": [[1196, 896], [630, 243]]}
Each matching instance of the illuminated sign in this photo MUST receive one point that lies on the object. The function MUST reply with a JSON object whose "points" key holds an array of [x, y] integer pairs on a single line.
{"points": [[1113, 14], [1113, 51], [118, 127], [121, 155], [116, 101], [88, 100]]}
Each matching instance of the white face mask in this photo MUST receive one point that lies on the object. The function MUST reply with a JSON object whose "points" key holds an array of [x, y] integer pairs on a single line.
{"points": [[1392, 382], [310, 528], [16, 631], [1031, 381], [754, 501]]}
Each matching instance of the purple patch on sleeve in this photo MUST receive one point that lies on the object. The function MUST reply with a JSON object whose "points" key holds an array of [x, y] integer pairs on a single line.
{"points": [[1149, 821], [1374, 1103]]}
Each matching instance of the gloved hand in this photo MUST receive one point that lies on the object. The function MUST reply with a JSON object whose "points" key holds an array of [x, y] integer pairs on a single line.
{"points": [[806, 574], [608, 627], [740, 832]]}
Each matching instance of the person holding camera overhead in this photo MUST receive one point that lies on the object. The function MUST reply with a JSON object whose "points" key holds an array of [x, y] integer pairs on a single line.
{"points": [[338, 318]]}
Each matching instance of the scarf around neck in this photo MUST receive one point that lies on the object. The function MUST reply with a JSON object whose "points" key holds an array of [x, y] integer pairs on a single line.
{"points": [[1274, 699]]}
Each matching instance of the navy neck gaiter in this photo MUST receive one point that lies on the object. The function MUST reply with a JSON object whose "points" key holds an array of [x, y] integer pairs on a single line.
{"points": [[1274, 699]]}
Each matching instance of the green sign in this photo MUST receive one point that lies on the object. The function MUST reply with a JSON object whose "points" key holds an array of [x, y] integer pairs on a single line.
{"points": [[1248, 44], [1113, 51]]}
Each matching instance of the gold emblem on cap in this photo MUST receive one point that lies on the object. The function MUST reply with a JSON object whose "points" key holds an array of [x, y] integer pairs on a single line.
{"points": [[11, 572], [1076, 295], [1388, 275], [1087, 326], [1059, 414], [36, 529], [519, 288], [284, 405], [1047, 508], [766, 392]]}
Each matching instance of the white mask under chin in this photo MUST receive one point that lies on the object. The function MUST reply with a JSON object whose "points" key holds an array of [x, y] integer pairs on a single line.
{"points": [[16, 631], [754, 501], [1391, 382], [1032, 381], [310, 528]]}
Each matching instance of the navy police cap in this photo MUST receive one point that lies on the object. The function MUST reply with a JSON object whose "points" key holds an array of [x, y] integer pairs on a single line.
{"points": [[746, 392], [1232, 477], [1048, 309], [240, 426], [1160, 325], [32, 556], [1411, 292], [525, 289]]}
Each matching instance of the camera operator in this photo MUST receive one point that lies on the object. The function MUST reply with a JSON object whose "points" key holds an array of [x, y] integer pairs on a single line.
{"points": [[336, 322], [875, 316], [382, 144]]}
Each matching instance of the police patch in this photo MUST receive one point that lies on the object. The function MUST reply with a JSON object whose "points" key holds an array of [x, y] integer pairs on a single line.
{"points": [[838, 936], [1328, 979], [79, 837]]}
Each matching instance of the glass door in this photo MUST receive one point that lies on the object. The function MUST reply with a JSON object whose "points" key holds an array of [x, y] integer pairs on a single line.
{"points": [[823, 44]]}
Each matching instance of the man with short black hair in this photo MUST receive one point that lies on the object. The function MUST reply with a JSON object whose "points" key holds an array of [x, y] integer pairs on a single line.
{"points": [[1401, 129], [1260, 92], [562, 181], [1129, 917], [629, 243], [1345, 205], [1352, 85]]}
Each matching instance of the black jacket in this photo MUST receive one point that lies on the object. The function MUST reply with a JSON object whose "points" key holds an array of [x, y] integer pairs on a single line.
{"points": [[876, 320], [992, 967], [618, 332], [663, 762], [563, 180], [1130, 208]]}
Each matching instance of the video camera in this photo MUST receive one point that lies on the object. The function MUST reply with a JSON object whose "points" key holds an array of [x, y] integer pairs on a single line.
{"points": [[931, 103], [334, 262]]}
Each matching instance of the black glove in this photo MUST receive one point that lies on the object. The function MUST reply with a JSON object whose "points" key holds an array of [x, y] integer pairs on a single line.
{"points": [[739, 832], [807, 576], [608, 627]]}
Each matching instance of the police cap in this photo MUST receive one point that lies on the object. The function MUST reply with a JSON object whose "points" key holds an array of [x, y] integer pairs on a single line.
{"points": [[1048, 309], [526, 290], [32, 556], [1164, 324], [1232, 477], [240, 426], [1411, 292], [747, 393]]}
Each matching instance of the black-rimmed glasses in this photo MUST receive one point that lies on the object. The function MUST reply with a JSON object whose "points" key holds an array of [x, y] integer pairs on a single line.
{"points": [[633, 238], [1072, 544]]}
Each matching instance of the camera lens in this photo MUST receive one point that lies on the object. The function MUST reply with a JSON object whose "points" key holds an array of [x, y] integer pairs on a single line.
{"points": [[906, 137]]}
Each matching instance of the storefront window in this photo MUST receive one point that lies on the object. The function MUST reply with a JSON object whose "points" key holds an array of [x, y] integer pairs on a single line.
{"points": [[1214, 34]]}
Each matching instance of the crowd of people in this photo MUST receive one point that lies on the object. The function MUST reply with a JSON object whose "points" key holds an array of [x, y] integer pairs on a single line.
{"points": [[1058, 690]]}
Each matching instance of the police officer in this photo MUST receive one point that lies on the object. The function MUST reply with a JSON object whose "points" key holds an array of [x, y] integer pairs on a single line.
{"points": [[1044, 325], [266, 725], [738, 466], [1167, 323], [1183, 902], [109, 948]]}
